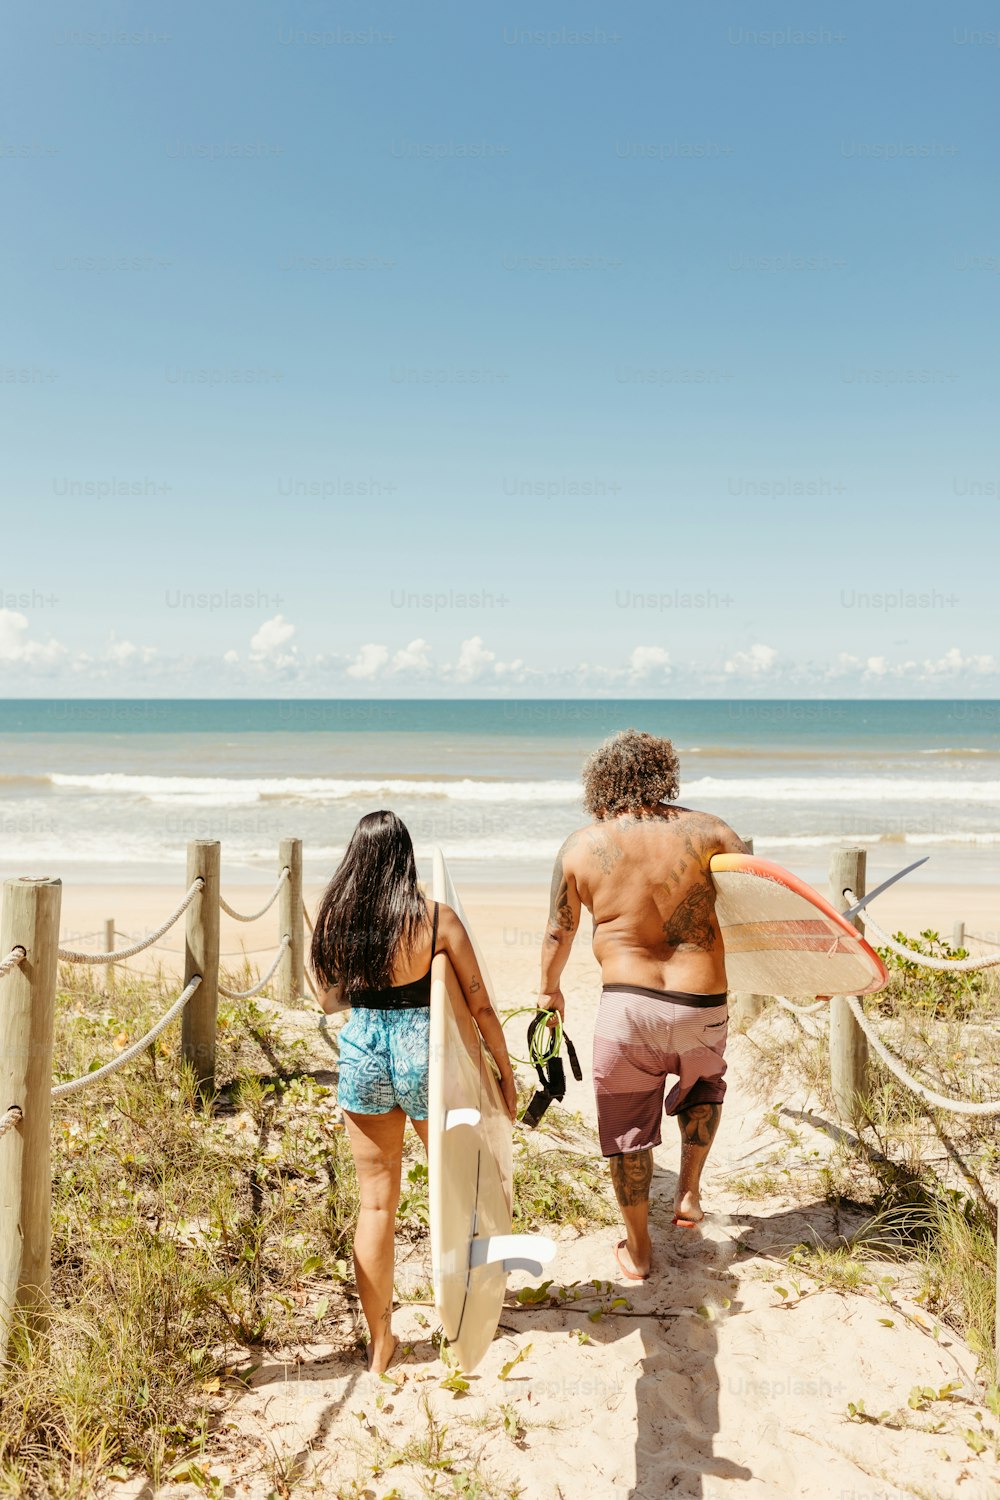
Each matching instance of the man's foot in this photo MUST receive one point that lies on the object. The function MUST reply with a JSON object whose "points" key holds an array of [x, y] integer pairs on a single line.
{"points": [[382, 1356], [632, 1267], [688, 1210]]}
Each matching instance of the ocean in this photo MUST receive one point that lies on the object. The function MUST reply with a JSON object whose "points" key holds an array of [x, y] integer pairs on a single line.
{"points": [[111, 791]]}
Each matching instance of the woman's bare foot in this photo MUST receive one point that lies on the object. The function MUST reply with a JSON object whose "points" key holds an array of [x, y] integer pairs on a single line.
{"points": [[381, 1355], [688, 1209]]}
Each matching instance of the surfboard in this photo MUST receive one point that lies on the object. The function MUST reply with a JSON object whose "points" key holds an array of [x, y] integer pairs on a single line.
{"points": [[783, 938], [470, 1163]]}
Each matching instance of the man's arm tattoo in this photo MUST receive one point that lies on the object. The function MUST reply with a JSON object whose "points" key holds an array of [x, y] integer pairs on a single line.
{"points": [[631, 1174], [699, 1124], [560, 910], [692, 924]]}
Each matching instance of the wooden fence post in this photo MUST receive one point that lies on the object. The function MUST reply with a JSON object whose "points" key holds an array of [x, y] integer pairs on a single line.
{"points": [[201, 956], [27, 1002], [109, 947], [958, 935], [848, 1044], [745, 1008], [290, 971]]}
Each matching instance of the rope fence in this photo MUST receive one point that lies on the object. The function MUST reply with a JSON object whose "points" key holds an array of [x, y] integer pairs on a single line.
{"points": [[31, 924], [16, 956], [926, 960], [256, 915], [852, 1033], [262, 983], [30, 928], [64, 1090], [223, 952], [897, 1069], [69, 956]]}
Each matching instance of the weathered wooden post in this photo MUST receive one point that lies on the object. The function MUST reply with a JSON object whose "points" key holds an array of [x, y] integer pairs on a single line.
{"points": [[201, 956], [848, 1044], [744, 1008], [109, 947], [290, 971], [958, 935], [27, 1004]]}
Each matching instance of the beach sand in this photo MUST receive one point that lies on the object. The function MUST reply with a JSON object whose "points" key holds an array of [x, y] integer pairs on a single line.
{"points": [[708, 1383], [508, 919]]}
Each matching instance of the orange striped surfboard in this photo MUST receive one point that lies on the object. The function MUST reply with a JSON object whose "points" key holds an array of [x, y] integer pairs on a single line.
{"points": [[783, 938]]}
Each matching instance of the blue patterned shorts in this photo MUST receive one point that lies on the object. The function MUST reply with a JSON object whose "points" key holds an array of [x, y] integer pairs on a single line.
{"points": [[384, 1060]]}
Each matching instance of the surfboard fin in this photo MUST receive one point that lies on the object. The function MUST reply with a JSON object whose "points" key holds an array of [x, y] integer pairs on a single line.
{"points": [[456, 1117], [515, 1252]]}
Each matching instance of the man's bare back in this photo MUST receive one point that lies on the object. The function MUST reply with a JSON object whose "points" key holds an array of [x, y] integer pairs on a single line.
{"points": [[645, 878]]}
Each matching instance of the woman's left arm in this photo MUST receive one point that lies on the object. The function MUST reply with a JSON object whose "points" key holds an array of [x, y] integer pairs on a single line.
{"points": [[454, 939]]}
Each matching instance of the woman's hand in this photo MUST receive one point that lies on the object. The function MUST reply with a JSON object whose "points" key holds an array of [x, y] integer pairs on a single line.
{"points": [[509, 1090]]}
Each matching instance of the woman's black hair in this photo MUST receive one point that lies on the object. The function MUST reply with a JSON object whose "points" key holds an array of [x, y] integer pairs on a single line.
{"points": [[371, 910]]}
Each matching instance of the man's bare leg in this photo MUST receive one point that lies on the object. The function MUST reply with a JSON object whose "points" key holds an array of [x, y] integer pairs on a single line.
{"points": [[631, 1174], [698, 1125]]}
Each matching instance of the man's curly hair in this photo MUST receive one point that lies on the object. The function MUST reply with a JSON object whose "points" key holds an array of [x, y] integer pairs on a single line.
{"points": [[629, 771]]}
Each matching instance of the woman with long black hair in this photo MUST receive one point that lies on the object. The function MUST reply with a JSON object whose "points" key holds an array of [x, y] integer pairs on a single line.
{"points": [[372, 948]]}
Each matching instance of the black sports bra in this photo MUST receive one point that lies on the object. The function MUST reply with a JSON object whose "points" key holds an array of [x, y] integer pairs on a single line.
{"points": [[400, 996]]}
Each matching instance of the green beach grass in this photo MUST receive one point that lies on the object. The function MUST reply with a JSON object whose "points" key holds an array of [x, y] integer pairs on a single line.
{"points": [[186, 1243]]}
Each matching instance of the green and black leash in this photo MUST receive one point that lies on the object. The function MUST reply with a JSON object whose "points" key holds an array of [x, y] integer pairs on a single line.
{"points": [[545, 1044]]}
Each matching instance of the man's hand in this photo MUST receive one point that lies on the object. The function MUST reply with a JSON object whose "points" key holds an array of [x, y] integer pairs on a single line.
{"points": [[553, 1001]]}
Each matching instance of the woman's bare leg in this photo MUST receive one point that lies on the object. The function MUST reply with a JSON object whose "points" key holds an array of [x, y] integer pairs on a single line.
{"points": [[377, 1145]]}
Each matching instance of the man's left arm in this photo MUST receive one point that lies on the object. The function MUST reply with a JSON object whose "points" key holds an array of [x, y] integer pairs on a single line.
{"points": [[722, 840]]}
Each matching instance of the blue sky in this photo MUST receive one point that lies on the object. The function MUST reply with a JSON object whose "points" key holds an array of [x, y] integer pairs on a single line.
{"points": [[434, 348]]}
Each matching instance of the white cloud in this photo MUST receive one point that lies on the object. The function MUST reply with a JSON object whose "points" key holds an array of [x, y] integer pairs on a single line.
{"points": [[368, 663], [416, 657], [231, 657], [474, 659], [953, 662], [16, 649], [515, 671], [269, 646], [648, 663], [123, 652], [753, 663]]}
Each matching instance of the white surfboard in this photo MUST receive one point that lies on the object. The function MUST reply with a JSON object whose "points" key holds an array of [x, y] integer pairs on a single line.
{"points": [[470, 1164], [783, 938]]}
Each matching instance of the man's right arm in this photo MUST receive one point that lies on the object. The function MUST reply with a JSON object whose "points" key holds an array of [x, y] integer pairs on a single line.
{"points": [[564, 919]]}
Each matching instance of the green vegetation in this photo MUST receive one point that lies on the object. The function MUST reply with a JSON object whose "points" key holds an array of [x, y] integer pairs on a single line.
{"points": [[187, 1243], [921, 1173]]}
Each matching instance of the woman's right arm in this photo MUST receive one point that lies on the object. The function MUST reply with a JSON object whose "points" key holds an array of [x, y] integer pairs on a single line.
{"points": [[331, 997], [454, 940]]}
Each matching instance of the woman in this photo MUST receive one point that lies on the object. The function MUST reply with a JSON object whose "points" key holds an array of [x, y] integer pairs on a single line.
{"points": [[372, 949]]}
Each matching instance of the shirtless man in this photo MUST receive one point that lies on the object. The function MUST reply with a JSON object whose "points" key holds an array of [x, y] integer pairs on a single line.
{"points": [[642, 869]]}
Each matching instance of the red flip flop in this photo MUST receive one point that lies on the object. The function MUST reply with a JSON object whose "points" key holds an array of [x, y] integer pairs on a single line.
{"points": [[629, 1275], [687, 1223]]}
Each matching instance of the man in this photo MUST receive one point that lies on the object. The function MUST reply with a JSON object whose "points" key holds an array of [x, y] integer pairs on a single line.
{"points": [[642, 869]]}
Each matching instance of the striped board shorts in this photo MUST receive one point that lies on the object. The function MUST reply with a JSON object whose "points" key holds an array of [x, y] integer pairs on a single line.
{"points": [[641, 1036]]}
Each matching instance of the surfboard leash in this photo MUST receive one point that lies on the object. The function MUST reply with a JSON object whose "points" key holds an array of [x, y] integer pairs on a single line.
{"points": [[545, 1044]]}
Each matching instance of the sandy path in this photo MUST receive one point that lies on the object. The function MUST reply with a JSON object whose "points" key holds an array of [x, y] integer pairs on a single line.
{"points": [[706, 1383]]}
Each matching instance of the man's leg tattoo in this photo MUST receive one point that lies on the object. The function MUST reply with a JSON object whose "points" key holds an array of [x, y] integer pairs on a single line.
{"points": [[631, 1173], [699, 1123]]}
